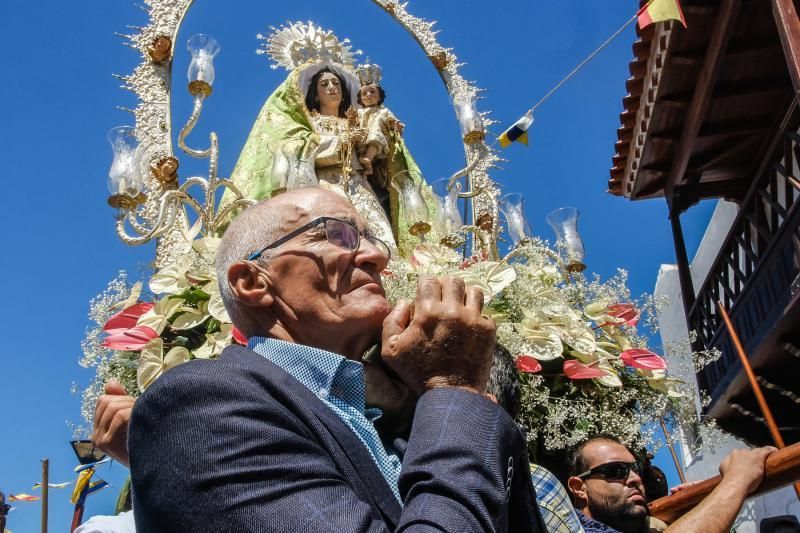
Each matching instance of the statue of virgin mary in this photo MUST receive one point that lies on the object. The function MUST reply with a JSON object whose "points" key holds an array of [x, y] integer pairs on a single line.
{"points": [[308, 133]]}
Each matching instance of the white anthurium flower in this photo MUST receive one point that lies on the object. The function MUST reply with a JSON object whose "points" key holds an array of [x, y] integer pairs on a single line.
{"points": [[433, 258], [199, 275], [132, 299], [191, 317], [497, 316], [584, 357], [489, 276], [604, 349], [658, 380], [215, 304], [548, 275], [207, 246], [153, 362], [545, 343], [215, 343], [623, 342], [611, 379], [158, 317], [596, 310], [172, 279]]}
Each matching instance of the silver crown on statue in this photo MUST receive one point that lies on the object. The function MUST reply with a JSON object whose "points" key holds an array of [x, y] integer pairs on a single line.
{"points": [[369, 73], [298, 43]]}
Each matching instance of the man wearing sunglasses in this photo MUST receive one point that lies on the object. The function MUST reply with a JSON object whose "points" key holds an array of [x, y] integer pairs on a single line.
{"points": [[276, 436], [606, 485]]}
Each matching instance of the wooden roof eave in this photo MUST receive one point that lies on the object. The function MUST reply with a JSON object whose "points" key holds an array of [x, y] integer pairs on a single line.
{"points": [[648, 86]]}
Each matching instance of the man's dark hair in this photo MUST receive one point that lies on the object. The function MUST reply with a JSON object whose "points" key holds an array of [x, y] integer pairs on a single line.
{"points": [[503, 382], [576, 462], [312, 96], [381, 94]]}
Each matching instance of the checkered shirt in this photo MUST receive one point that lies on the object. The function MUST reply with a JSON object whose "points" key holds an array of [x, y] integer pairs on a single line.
{"points": [[557, 511], [339, 383]]}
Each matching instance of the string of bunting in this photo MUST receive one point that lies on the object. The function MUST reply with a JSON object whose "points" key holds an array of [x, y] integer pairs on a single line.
{"points": [[652, 11]]}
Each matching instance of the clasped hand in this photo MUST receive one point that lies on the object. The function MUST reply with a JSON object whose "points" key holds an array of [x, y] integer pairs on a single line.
{"points": [[445, 341]]}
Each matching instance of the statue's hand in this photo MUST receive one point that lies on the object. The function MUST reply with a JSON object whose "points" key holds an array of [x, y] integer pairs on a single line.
{"points": [[358, 135], [367, 164], [399, 127]]}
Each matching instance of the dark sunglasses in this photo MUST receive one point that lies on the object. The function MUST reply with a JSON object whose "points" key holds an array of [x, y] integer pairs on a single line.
{"points": [[4, 509], [338, 232], [613, 470]]}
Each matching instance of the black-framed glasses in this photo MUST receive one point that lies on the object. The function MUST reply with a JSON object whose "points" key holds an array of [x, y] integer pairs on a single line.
{"points": [[339, 232], [613, 470]]}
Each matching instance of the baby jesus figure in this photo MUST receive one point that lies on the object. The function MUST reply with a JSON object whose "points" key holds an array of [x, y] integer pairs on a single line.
{"points": [[381, 127]]}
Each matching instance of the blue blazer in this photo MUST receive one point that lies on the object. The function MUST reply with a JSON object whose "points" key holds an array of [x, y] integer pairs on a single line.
{"points": [[238, 444]]}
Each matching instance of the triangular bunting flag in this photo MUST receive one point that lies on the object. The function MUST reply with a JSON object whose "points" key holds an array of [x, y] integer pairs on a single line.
{"points": [[517, 132], [658, 10]]}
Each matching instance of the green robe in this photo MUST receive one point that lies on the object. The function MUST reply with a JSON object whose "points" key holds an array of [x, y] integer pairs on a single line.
{"points": [[284, 123]]}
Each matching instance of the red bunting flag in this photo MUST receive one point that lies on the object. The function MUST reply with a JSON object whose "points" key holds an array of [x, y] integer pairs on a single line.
{"points": [[22, 497], [658, 10]]}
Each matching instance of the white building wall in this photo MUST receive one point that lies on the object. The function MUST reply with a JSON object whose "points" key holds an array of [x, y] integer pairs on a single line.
{"points": [[674, 332]]}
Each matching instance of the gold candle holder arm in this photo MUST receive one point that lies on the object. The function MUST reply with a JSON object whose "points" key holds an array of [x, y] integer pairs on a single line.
{"points": [[187, 129]]}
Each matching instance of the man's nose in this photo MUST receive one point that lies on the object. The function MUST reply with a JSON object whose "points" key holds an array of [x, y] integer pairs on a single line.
{"points": [[368, 252]]}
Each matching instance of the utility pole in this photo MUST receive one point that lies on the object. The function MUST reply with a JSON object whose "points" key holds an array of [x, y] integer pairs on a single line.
{"points": [[45, 491]]}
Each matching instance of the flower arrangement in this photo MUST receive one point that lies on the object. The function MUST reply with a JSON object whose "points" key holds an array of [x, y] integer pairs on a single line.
{"points": [[582, 365]]}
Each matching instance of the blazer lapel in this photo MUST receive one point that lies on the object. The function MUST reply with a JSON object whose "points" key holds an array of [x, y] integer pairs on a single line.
{"points": [[350, 453]]}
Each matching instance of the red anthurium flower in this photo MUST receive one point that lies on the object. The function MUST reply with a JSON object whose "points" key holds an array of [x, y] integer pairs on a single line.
{"points": [[574, 369], [128, 317], [626, 312], [644, 359], [238, 336], [528, 364], [132, 339]]}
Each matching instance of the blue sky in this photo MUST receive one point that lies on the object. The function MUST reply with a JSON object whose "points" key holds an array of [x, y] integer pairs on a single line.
{"points": [[59, 101]]}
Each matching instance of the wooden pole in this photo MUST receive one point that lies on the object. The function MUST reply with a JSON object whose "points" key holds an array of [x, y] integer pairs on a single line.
{"points": [[45, 491], [672, 452], [751, 377], [781, 469]]}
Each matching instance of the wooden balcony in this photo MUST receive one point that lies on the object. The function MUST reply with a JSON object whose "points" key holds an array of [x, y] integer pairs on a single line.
{"points": [[755, 275]]}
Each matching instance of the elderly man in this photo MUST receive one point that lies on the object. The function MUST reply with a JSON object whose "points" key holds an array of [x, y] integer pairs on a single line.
{"points": [[276, 436], [606, 485]]}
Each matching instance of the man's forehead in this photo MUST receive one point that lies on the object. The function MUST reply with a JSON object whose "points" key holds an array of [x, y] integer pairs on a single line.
{"points": [[297, 214], [600, 452]]}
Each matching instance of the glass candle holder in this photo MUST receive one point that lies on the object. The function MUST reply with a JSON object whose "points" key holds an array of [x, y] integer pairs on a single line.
{"points": [[470, 120], [448, 218], [125, 176], [415, 210], [513, 209], [201, 68], [564, 222]]}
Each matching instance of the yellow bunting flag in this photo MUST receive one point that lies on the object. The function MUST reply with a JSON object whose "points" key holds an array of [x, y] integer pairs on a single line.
{"points": [[517, 132], [22, 497], [83, 480], [658, 10]]}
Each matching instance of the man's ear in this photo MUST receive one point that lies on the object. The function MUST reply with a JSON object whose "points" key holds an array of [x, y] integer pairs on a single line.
{"points": [[250, 284], [577, 488]]}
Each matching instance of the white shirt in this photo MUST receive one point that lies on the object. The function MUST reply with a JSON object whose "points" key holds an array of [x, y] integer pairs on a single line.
{"points": [[122, 523]]}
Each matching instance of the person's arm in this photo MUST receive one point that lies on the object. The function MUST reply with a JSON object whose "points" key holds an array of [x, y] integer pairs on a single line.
{"points": [[742, 471]]}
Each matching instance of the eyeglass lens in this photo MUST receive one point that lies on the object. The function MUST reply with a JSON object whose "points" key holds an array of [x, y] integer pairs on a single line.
{"points": [[341, 234]]}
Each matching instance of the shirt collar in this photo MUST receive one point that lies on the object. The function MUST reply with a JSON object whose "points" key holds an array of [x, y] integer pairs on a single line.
{"points": [[591, 524], [322, 372]]}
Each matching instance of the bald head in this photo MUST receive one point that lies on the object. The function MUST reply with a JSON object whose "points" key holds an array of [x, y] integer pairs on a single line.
{"points": [[264, 223]]}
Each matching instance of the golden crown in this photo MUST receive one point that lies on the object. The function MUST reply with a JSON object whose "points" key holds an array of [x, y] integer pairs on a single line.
{"points": [[299, 43]]}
